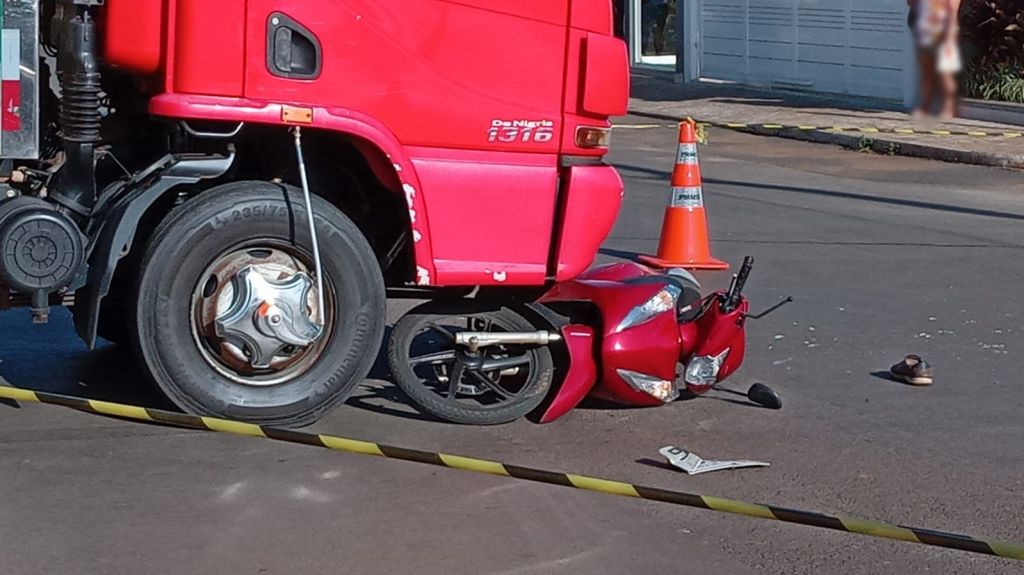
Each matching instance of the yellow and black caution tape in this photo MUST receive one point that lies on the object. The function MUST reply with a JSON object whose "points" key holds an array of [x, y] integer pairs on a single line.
{"points": [[901, 131], [852, 525]]}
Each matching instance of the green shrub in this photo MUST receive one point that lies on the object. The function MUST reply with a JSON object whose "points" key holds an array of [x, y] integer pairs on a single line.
{"points": [[1005, 84], [993, 37]]}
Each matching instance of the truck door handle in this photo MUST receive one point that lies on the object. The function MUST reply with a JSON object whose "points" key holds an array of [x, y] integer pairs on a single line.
{"points": [[293, 51]]}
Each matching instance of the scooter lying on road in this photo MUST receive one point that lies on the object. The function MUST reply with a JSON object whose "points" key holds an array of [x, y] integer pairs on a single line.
{"points": [[620, 332]]}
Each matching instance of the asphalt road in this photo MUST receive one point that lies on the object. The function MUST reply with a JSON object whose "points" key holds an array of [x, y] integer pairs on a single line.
{"points": [[885, 256]]}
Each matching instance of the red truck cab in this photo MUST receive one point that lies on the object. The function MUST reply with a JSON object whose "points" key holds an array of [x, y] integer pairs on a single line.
{"points": [[493, 116], [231, 186]]}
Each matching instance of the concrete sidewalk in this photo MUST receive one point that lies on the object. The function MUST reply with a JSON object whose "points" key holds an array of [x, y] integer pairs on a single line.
{"points": [[655, 95]]}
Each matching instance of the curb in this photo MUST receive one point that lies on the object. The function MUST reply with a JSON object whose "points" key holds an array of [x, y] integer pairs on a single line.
{"points": [[876, 143]]}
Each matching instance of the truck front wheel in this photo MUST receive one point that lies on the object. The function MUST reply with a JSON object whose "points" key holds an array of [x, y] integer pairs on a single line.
{"points": [[228, 321]]}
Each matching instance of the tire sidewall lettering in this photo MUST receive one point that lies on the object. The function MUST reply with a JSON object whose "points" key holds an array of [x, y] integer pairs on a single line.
{"points": [[238, 214]]}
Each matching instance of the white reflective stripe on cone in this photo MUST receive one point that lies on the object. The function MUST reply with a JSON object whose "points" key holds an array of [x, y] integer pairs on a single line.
{"points": [[689, 197], [687, 154]]}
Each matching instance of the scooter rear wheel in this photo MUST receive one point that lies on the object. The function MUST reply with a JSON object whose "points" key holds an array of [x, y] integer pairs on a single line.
{"points": [[502, 384]]}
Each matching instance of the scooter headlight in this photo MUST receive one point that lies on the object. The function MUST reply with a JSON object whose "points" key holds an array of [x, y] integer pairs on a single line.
{"points": [[663, 301], [702, 372], [656, 387]]}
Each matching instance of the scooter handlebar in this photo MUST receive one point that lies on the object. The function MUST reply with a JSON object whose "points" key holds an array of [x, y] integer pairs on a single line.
{"points": [[735, 294]]}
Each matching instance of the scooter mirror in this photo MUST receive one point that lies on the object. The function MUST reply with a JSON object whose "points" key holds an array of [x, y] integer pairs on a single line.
{"points": [[764, 396]]}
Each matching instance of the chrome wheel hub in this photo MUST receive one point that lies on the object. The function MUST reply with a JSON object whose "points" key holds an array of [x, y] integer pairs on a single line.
{"points": [[254, 312], [267, 316]]}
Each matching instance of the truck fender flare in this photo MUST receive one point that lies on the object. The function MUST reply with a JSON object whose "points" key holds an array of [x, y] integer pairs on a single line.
{"points": [[334, 119], [123, 206]]}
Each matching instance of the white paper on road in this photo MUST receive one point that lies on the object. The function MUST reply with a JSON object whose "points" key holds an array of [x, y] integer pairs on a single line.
{"points": [[693, 464]]}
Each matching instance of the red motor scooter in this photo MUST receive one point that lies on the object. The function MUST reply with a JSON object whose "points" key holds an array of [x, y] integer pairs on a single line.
{"points": [[620, 332]]}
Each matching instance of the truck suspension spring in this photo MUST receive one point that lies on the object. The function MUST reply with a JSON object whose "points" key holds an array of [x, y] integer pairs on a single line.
{"points": [[78, 70], [80, 115]]}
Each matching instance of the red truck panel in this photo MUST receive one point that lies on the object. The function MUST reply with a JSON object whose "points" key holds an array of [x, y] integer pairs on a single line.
{"points": [[550, 11], [133, 35], [593, 195], [605, 92], [209, 47], [593, 16], [437, 73], [491, 215]]}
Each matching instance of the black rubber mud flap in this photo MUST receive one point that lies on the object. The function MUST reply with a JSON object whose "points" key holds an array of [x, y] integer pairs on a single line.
{"points": [[117, 227]]}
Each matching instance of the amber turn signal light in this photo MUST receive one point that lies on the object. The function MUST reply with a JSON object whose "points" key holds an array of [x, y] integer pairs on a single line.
{"points": [[589, 137]]}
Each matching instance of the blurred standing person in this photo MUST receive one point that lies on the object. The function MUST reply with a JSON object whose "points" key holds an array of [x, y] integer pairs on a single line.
{"points": [[935, 24]]}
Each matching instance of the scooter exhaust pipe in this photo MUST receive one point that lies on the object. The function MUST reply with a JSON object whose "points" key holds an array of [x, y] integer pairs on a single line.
{"points": [[478, 339]]}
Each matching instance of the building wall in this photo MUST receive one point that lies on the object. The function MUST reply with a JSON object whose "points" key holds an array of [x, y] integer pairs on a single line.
{"points": [[845, 46], [856, 47]]}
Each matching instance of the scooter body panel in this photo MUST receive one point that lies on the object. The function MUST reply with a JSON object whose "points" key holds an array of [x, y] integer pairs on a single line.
{"points": [[723, 331], [580, 376], [654, 348], [651, 348]]}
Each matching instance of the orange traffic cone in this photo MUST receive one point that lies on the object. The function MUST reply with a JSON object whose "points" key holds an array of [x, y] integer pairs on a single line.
{"points": [[684, 233]]}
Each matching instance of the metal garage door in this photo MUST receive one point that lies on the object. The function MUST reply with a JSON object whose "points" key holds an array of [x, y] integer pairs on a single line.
{"points": [[846, 46]]}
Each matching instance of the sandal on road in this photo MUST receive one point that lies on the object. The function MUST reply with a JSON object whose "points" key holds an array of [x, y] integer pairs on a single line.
{"points": [[913, 370]]}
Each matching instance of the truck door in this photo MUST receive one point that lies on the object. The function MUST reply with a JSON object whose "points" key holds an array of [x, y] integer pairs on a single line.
{"points": [[472, 88]]}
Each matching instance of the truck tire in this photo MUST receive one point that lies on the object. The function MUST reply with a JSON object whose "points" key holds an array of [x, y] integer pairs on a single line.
{"points": [[188, 285]]}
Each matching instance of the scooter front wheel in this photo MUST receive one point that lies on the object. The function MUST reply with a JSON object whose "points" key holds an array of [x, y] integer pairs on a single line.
{"points": [[491, 386]]}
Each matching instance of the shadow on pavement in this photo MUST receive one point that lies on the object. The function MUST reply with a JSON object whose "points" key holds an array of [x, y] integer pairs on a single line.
{"points": [[875, 199], [107, 374], [50, 359], [741, 402], [376, 397], [836, 194], [620, 254], [662, 175], [656, 463], [886, 376], [381, 393]]}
